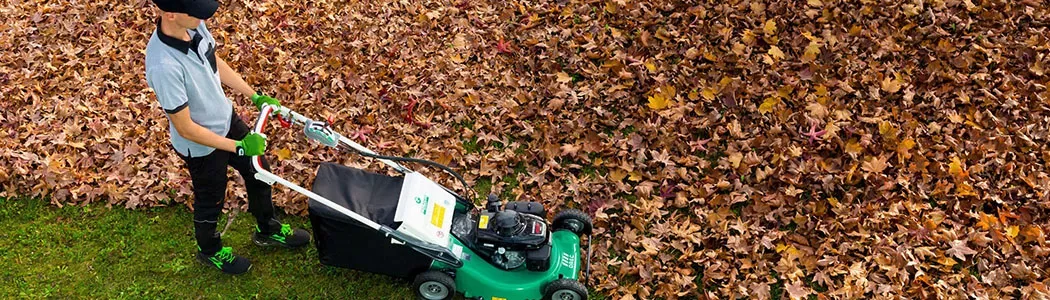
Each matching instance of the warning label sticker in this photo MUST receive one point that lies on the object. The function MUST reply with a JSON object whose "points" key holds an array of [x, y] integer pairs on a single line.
{"points": [[483, 222], [438, 218]]}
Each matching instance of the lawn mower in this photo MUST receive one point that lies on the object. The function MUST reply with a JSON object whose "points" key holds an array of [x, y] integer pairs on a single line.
{"points": [[410, 227]]}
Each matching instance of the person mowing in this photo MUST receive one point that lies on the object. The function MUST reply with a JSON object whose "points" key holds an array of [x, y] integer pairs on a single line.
{"points": [[187, 77]]}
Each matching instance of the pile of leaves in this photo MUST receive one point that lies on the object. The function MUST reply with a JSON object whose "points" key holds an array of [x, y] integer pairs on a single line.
{"points": [[762, 149]]}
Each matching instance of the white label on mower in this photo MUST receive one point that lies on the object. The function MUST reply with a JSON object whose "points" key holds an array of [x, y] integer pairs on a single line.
{"points": [[425, 210], [457, 250], [569, 261]]}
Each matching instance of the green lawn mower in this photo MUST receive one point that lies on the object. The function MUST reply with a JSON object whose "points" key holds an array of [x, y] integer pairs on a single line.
{"points": [[410, 227]]}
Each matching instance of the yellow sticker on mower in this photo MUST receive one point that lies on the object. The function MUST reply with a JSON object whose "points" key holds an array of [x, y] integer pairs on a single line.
{"points": [[438, 219], [483, 222], [498, 298]]}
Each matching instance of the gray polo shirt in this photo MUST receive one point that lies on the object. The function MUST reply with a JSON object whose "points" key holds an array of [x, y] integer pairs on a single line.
{"points": [[184, 76]]}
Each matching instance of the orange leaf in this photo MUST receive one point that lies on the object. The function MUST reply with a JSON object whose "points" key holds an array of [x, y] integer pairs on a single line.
{"points": [[1032, 233], [283, 154], [955, 169]]}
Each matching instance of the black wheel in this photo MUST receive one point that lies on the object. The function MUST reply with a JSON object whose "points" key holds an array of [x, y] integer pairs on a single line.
{"points": [[573, 220], [434, 285], [565, 289]]}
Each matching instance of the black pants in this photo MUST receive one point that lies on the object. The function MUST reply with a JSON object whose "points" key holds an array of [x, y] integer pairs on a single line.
{"points": [[208, 175]]}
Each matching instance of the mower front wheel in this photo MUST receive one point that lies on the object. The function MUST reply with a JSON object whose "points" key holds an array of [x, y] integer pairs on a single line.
{"points": [[573, 220], [565, 289], [434, 285]]}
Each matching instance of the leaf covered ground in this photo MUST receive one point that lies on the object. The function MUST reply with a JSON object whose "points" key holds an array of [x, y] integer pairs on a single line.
{"points": [[802, 149]]}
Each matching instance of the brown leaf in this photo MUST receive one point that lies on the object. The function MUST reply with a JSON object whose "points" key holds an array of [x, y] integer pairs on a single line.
{"points": [[797, 290], [960, 250], [875, 164]]}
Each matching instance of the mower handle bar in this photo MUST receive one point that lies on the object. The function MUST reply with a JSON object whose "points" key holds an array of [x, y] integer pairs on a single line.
{"points": [[437, 252]]}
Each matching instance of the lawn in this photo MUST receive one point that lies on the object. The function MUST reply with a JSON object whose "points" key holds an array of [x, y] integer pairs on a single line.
{"points": [[99, 253]]}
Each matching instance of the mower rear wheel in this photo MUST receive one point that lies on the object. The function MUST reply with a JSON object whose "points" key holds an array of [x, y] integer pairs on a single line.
{"points": [[565, 289], [434, 285], [574, 220]]}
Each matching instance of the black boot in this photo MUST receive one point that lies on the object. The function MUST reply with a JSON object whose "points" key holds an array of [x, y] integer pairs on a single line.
{"points": [[225, 261], [280, 234]]}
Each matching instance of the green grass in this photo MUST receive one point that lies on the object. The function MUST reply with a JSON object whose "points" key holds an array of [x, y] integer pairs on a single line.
{"points": [[98, 253], [471, 145]]}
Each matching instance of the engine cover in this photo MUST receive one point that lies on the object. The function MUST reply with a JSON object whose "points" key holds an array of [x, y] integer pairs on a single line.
{"points": [[511, 230]]}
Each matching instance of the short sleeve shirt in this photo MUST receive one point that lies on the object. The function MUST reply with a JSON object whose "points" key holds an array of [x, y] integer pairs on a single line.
{"points": [[184, 75]]}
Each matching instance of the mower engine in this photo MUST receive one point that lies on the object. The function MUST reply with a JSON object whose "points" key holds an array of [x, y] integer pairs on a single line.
{"points": [[513, 236]]}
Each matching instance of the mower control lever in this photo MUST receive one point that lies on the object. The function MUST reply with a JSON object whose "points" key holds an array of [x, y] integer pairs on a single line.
{"points": [[320, 132]]}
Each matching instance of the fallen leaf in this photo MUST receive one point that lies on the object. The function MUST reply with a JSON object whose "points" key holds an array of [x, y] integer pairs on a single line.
{"points": [[960, 250], [284, 153], [875, 164], [853, 147], [708, 93], [769, 27], [776, 53], [734, 159], [768, 105], [956, 170], [564, 77], [797, 290], [1033, 233], [1012, 231], [460, 41], [658, 102]]}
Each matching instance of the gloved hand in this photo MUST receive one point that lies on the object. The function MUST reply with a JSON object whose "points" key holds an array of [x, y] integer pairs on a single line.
{"points": [[252, 145], [259, 99]]}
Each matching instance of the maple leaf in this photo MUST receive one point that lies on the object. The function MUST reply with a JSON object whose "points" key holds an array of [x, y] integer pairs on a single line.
{"points": [[410, 114], [813, 134], [955, 169], [569, 149], [708, 94], [503, 47], [769, 27], [760, 290], [1033, 233], [698, 145], [797, 290], [892, 85], [658, 102], [564, 77], [776, 53], [768, 104], [283, 153], [667, 191], [960, 250], [811, 52], [361, 134], [875, 164]]}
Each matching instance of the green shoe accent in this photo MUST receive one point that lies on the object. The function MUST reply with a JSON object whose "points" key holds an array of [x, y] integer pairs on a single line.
{"points": [[286, 236], [286, 230], [224, 256]]}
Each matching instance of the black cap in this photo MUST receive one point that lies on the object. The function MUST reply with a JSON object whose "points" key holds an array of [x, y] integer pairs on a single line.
{"points": [[201, 9]]}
